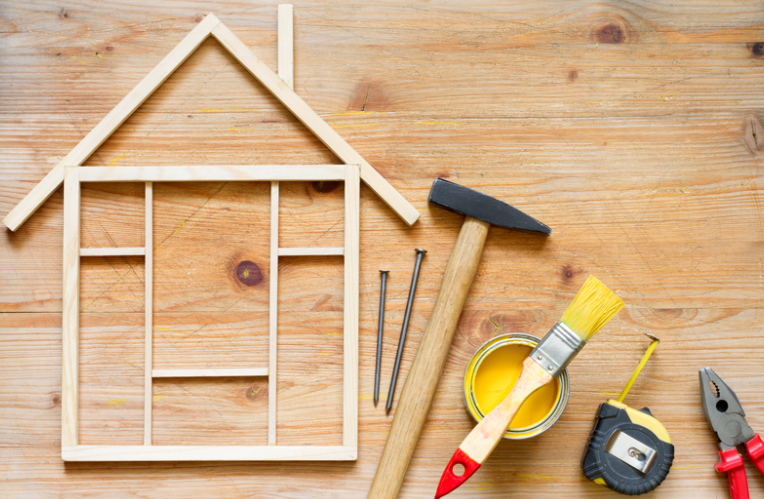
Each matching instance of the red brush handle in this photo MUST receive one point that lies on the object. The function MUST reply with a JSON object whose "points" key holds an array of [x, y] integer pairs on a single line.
{"points": [[755, 449], [732, 463], [449, 481]]}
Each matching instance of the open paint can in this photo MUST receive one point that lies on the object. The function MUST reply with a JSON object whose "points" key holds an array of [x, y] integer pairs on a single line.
{"points": [[493, 371]]}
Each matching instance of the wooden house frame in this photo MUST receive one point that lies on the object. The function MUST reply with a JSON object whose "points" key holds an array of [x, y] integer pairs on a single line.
{"points": [[72, 175]]}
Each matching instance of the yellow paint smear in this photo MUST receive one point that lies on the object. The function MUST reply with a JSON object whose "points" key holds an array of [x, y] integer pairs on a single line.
{"points": [[116, 402], [115, 160], [157, 397], [496, 376]]}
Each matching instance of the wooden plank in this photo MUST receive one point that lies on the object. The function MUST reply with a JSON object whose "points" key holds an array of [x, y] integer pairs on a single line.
{"points": [[311, 251], [92, 453], [137, 96], [149, 312], [286, 44], [212, 173], [350, 334], [71, 310], [319, 127], [273, 307], [208, 373], [112, 251]]}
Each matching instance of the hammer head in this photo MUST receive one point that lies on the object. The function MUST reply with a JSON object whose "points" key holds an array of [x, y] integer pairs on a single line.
{"points": [[471, 203]]}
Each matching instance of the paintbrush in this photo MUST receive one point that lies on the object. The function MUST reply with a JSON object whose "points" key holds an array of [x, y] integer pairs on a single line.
{"points": [[592, 308]]}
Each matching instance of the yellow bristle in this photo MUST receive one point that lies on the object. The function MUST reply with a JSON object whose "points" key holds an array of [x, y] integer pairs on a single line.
{"points": [[592, 308]]}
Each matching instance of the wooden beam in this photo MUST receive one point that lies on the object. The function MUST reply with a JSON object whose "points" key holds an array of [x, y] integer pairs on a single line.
{"points": [[314, 123], [273, 326], [148, 242], [208, 373], [70, 339], [286, 44], [112, 252], [350, 335], [92, 453], [311, 251], [211, 173], [93, 140]]}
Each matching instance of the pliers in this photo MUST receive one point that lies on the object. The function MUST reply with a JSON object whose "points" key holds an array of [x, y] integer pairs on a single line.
{"points": [[727, 418]]}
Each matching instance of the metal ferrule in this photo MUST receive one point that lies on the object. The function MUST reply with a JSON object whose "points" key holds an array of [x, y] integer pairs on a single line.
{"points": [[557, 349]]}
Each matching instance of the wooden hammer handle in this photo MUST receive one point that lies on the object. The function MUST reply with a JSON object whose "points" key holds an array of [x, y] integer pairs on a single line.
{"points": [[423, 377]]}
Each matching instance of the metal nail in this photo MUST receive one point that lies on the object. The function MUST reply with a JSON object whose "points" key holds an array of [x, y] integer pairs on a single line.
{"points": [[383, 275], [419, 255]]}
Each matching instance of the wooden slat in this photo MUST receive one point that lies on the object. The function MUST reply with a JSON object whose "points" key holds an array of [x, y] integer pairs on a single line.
{"points": [[209, 453], [212, 173], [112, 251], [319, 127], [310, 251], [273, 307], [71, 310], [207, 373], [350, 334], [286, 44], [149, 311], [42, 191]]}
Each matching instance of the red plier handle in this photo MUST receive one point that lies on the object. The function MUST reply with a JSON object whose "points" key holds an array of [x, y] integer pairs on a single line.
{"points": [[755, 448], [732, 463]]}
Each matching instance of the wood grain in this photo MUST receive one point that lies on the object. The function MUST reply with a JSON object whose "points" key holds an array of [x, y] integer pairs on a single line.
{"points": [[638, 154]]}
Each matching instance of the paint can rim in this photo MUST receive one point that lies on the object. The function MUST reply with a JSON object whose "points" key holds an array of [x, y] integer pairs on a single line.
{"points": [[469, 377]]}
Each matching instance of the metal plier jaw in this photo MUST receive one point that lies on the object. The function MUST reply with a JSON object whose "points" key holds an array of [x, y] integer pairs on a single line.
{"points": [[727, 418]]}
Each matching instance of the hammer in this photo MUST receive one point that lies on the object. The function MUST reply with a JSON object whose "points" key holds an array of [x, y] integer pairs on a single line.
{"points": [[481, 212]]}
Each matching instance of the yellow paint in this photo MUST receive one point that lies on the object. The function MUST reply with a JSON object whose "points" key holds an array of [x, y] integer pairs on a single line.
{"points": [[116, 402], [496, 376], [495, 326], [333, 334], [353, 124], [115, 160], [243, 129], [157, 397]]}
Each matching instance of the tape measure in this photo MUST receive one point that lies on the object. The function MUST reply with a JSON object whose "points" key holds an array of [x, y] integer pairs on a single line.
{"points": [[629, 450]]}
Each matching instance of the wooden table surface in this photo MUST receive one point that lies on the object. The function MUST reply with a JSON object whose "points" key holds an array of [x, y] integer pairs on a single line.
{"points": [[633, 129]]}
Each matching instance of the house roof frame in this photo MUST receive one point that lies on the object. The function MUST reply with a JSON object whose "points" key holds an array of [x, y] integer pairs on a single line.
{"points": [[209, 26]]}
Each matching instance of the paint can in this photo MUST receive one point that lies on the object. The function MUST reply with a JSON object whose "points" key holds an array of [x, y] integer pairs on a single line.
{"points": [[493, 371]]}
